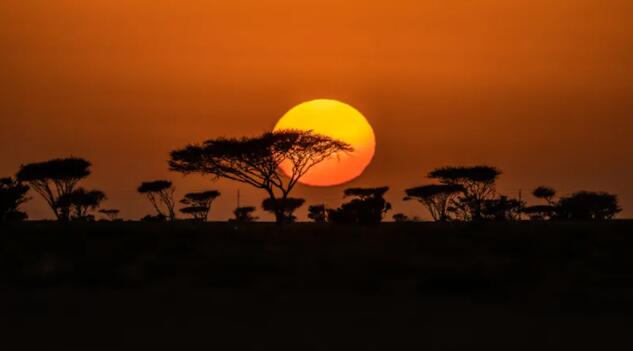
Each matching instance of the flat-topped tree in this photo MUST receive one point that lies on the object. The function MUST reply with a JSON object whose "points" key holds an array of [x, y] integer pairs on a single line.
{"points": [[54, 179], [255, 160], [198, 204], [436, 198], [80, 202], [160, 193], [478, 183], [542, 212], [287, 206], [546, 193]]}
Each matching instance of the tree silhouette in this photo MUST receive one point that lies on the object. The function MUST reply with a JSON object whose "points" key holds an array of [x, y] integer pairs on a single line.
{"points": [[546, 193], [198, 205], [586, 205], [542, 212], [478, 185], [368, 206], [287, 206], [317, 213], [111, 213], [502, 209], [436, 198], [243, 215], [256, 160], [54, 179], [12, 195], [80, 202], [160, 192]]}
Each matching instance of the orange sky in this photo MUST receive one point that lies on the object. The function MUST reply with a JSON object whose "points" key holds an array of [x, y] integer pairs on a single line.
{"points": [[542, 89]]}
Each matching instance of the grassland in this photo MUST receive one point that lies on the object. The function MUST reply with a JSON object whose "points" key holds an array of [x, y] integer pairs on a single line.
{"points": [[397, 286]]}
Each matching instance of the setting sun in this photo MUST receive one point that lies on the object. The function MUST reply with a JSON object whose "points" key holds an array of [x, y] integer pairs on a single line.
{"points": [[340, 121]]}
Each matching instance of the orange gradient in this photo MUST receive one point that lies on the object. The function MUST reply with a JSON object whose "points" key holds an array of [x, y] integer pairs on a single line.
{"points": [[339, 121]]}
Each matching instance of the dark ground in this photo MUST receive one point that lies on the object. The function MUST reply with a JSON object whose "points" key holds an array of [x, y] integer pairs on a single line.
{"points": [[410, 286]]}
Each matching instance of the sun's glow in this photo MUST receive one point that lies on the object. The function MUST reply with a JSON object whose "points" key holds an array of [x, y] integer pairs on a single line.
{"points": [[340, 121]]}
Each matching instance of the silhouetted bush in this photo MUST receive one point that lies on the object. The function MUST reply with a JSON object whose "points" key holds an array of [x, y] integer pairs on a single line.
{"points": [[586, 205], [540, 212], [80, 202], [401, 217], [154, 218], [317, 213], [502, 209], [12, 195], [287, 207], [244, 215], [368, 206]]}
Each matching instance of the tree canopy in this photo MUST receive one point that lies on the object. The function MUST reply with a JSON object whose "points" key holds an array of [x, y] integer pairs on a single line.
{"points": [[317, 213], [54, 179], [502, 209], [160, 192], [368, 206], [198, 204], [80, 202], [244, 215], [546, 193], [288, 206], [256, 160], [436, 198], [478, 184], [12, 195], [587, 205]]}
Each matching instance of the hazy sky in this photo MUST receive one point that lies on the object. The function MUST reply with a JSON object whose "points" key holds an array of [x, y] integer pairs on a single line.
{"points": [[542, 89]]}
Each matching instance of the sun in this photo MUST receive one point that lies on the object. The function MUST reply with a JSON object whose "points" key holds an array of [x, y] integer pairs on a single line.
{"points": [[340, 121]]}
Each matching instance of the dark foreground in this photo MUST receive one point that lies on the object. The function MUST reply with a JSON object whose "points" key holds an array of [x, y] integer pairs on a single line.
{"points": [[144, 286]]}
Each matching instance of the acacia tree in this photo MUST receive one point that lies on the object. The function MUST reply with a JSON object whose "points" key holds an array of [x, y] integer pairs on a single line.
{"points": [[256, 160], [546, 193], [478, 185], [198, 205], [287, 206], [436, 198], [80, 202], [54, 179], [12, 195], [542, 212], [160, 192]]}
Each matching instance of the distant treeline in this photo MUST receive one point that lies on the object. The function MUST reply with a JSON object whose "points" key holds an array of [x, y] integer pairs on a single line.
{"points": [[454, 193]]}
